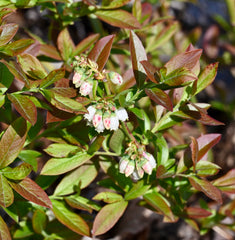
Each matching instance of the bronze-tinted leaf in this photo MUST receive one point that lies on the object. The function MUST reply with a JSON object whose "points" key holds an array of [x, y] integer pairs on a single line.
{"points": [[12, 142], [6, 193], [4, 232], [24, 106], [197, 212], [50, 51], [19, 46], [118, 18], [28, 189], [194, 149], [150, 70], [227, 180], [100, 52], [7, 32], [52, 77], [114, 4]]}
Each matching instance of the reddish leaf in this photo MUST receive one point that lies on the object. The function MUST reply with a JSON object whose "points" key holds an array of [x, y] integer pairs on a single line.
{"points": [[150, 70], [100, 52], [138, 55], [4, 232], [195, 150], [85, 44], [6, 193], [128, 80], [207, 188], [188, 59], [69, 218], [7, 32], [65, 45], [19, 46], [227, 180], [159, 203], [206, 77], [160, 97], [24, 106], [205, 143], [50, 51], [12, 142], [118, 18], [197, 212], [52, 77], [32, 192], [108, 216]]}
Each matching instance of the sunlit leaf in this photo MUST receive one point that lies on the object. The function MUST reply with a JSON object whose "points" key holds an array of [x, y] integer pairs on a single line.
{"points": [[206, 168], [24, 106], [18, 47], [100, 52], [226, 180], [70, 219], [108, 197], [50, 51], [108, 216], [52, 77], [12, 142], [7, 32], [32, 192], [118, 18], [17, 173], [39, 221], [4, 232], [60, 150], [137, 190], [114, 4], [6, 193]]}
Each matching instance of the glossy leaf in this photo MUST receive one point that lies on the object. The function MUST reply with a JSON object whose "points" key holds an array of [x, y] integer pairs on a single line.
{"points": [[205, 168], [12, 142], [160, 97], [17, 173], [227, 180], [18, 47], [50, 51], [52, 77], [207, 188], [4, 232], [7, 32], [85, 44], [60, 150], [159, 203], [31, 66], [108, 216], [197, 212], [137, 190], [114, 4], [100, 52], [65, 45], [24, 106], [108, 197], [6, 193], [32, 192], [118, 18], [194, 149], [39, 221], [163, 151], [206, 77], [30, 157], [80, 177], [69, 218], [150, 70], [57, 166], [138, 55]]}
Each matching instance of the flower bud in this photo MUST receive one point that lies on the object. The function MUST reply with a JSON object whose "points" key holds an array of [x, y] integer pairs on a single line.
{"points": [[114, 122], [100, 127], [107, 119], [77, 79], [86, 88], [129, 168], [149, 163], [97, 118], [123, 164], [91, 112], [115, 78], [122, 114]]}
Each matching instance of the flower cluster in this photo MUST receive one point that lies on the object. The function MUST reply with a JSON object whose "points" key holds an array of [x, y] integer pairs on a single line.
{"points": [[136, 161], [105, 115]]}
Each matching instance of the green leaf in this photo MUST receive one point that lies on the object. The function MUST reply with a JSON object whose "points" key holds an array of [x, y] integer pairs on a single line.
{"points": [[6, 193], [80, 177], [24, 106], [52, 77], [30, 157], [6, 78], [108, 216], [85, 44], [17, 173], [32, 192], [159, 203], [24, 231], [19, 46], [206, 77], [100, 52], [60, 150], [39, 221], [137, 190], [207, 188], [160, 97], [118, 18], [57, 166], [205, 168], [82, 203], [114, 4], [116, 141], [31, 66], [65, 45], [138, 54], [108, 197], [162, 150], [12, 142], [96, 144], [4, 232], [7, 32], [12, 211], [69, 218]]}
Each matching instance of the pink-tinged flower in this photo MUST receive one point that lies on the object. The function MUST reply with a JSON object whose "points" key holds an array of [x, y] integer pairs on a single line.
{"points": [[115, 78], [129, 168], [114, 122], [123, 164], [149, 164], [100, 127], [107, 120], [77, 79], [122, 114], [86, 88], [91, 112], [97, 118]]}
